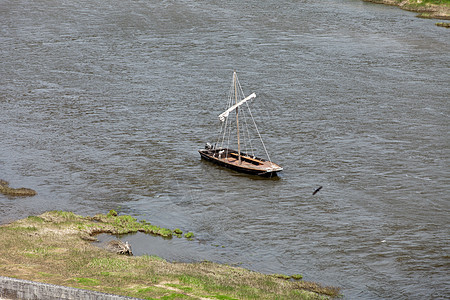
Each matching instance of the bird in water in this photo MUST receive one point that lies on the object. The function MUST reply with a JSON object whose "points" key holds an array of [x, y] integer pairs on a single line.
{"points": [[317, 190]]}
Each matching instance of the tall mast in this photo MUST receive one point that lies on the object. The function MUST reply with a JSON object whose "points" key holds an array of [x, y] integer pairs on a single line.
{"points": [[237, 115]]}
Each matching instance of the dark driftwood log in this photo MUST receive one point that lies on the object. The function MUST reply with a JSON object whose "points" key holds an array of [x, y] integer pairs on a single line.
{"points": [[119, 247]]}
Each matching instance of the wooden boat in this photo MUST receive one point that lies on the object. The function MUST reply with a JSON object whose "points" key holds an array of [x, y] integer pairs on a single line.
{"points": [[236, 159]]}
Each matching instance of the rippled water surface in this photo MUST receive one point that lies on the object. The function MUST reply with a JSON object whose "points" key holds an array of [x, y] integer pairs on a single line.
{"points": [[103, 105]]}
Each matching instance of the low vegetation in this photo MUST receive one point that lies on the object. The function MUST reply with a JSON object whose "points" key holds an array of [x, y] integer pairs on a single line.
{"points": [[114, 224], [55, 248]]}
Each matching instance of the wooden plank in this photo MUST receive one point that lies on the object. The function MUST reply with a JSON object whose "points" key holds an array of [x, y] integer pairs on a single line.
{"points": [[247, 158]]}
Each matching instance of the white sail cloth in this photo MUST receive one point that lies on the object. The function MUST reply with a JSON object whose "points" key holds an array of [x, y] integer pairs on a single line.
{"points": [[225, 114]]}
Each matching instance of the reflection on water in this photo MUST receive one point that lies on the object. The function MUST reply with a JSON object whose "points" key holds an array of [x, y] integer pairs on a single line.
{"points": [[104, 105]]}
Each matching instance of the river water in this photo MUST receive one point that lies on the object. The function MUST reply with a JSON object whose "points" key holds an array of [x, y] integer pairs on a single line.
{"points": [[103, 105]]}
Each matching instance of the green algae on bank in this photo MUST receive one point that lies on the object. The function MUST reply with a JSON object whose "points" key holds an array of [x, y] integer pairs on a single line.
{"points": [[50, 248], [114, 224]]}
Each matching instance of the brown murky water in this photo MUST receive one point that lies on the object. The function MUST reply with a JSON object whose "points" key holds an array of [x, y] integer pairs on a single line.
{"points": [[104, 104]]}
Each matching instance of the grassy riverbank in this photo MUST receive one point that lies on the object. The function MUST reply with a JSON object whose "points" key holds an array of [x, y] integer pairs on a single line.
{"points": [[56, 247], [435, 9]]}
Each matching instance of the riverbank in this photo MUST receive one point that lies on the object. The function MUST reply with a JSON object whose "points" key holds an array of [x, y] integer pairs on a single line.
{"points": [[433, 9], [57, 248]]}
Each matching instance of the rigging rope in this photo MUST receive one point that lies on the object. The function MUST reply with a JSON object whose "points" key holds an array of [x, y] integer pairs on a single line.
{"points": [[254, 122], [227, 128]]}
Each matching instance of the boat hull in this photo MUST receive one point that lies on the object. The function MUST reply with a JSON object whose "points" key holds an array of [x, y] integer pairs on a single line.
{"points": [[248, 165]]}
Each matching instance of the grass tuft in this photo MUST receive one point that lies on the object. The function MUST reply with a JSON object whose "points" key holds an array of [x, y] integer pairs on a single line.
{"points": [[87, 281]]}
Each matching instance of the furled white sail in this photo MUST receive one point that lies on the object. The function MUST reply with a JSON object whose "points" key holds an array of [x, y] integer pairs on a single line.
{"points": [[225, 114]]}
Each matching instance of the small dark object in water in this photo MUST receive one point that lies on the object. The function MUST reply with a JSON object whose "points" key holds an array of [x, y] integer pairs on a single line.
{"points": [[317, 190], [119, 247]]}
